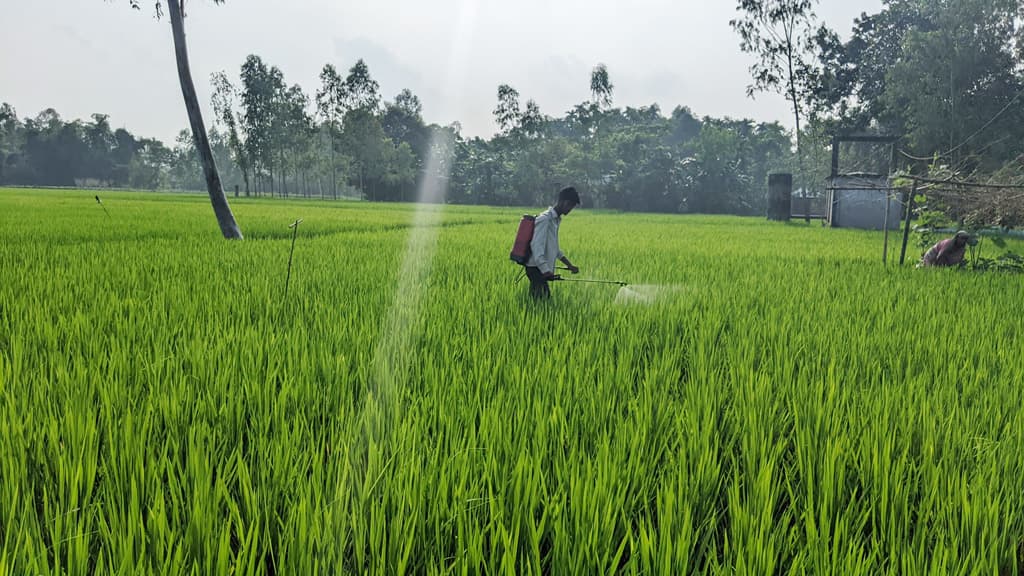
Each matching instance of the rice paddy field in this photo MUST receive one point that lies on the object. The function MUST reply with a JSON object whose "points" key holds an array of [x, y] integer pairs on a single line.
{"points": [[763, 399]]}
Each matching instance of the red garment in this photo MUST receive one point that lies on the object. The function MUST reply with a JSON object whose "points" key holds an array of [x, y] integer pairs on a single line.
{"points": [[952, 256]]}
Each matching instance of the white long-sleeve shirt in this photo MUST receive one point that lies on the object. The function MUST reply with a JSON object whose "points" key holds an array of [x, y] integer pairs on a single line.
{"points": [[544, 250]]}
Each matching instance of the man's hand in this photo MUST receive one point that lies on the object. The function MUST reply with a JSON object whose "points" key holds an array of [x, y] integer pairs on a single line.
{"points": [[552, 276], [573, 269]]}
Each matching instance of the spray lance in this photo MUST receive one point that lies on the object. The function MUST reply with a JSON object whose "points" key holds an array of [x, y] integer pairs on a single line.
{"points": [[520, 253], [644, 294], [615, 282]]}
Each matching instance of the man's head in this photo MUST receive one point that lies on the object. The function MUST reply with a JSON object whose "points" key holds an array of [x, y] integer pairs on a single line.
{"points": [[962, 238], [568, 199]]}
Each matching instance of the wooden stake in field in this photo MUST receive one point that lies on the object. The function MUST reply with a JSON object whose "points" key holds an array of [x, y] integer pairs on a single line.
{"points": [[885, 226], [295, 232], [906, 226], [102, 206]]}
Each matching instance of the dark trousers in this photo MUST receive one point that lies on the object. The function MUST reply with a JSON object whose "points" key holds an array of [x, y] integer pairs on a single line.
{"points": [[539, 288]]}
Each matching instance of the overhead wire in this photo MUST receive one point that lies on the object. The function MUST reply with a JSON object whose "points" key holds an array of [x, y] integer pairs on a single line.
{"points": [[973, 135]]}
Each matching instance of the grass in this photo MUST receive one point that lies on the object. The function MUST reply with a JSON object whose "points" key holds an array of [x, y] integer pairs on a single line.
{"points": [[793, 407]]}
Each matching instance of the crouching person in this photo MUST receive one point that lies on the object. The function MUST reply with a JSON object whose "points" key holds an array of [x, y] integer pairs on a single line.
{"points": [[948, 252]]}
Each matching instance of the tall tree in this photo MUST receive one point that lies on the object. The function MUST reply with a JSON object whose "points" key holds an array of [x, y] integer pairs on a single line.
{"points": [[532, 122], [100, 142], [365, 141], [400, 170], [403, 121], [9, 128], [331, 107], [362, 131], [506, 113], [362, 91], [176, 10], [601, 90], [956, 89], [147, 169], [262, 88], [293, 126], [778, 33], [409, 103], [848, 81], [945, 75], [225, 97], [601, 86]]}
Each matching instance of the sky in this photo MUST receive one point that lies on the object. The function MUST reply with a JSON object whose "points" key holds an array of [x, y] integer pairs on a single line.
{"points": [[87, 56]]}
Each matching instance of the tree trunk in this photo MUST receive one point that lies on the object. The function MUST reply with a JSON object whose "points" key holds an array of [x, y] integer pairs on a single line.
{"points": [[226, 220], [796, 116], [334, 167]]}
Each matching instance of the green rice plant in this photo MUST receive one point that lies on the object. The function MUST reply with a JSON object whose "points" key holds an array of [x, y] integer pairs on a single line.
{"points": [[779, 402]]}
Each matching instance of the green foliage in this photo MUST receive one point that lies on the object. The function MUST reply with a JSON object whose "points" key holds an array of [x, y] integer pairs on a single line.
{"points": [[955, 74], [779, 34], [601, 87], [361, 90], [944, 74], [789, 407], [49, 151], [506, 113], [266, 140], [930, 214], [1008, 262], [946, 78], [632, 159]]}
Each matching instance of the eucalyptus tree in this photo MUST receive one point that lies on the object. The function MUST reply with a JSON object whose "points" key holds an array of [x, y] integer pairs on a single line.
{"points": [[225, 218]]}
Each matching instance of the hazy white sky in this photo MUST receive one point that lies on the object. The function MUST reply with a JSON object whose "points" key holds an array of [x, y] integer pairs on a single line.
{"points": [[85, 56]]}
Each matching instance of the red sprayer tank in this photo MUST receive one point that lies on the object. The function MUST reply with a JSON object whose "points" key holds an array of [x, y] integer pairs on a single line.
{"points": [[521, 248]]}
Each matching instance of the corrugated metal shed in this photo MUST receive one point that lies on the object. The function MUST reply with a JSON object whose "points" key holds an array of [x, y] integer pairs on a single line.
{"points": [[860, 201]]}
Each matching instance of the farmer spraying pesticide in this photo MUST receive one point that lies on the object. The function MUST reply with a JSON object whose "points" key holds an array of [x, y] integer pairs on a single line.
{"points": [[536, 247], [544, 249]]}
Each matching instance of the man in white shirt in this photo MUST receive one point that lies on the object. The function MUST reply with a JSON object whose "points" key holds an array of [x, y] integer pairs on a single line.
{"points": [[544, 250]]}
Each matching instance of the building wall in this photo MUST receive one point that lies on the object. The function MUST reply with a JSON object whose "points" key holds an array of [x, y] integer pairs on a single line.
{"points": [[854, 207]]}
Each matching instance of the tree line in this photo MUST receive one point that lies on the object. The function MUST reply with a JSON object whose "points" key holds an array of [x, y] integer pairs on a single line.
{"points": [[943, 76], [47, 150], [271, 138]]}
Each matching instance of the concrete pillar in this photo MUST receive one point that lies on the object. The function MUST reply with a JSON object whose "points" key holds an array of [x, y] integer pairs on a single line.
{"points": [[780, 196]]}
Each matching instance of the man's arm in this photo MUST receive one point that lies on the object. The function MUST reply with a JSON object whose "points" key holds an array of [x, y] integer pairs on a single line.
{"points": [[565, 260]]}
